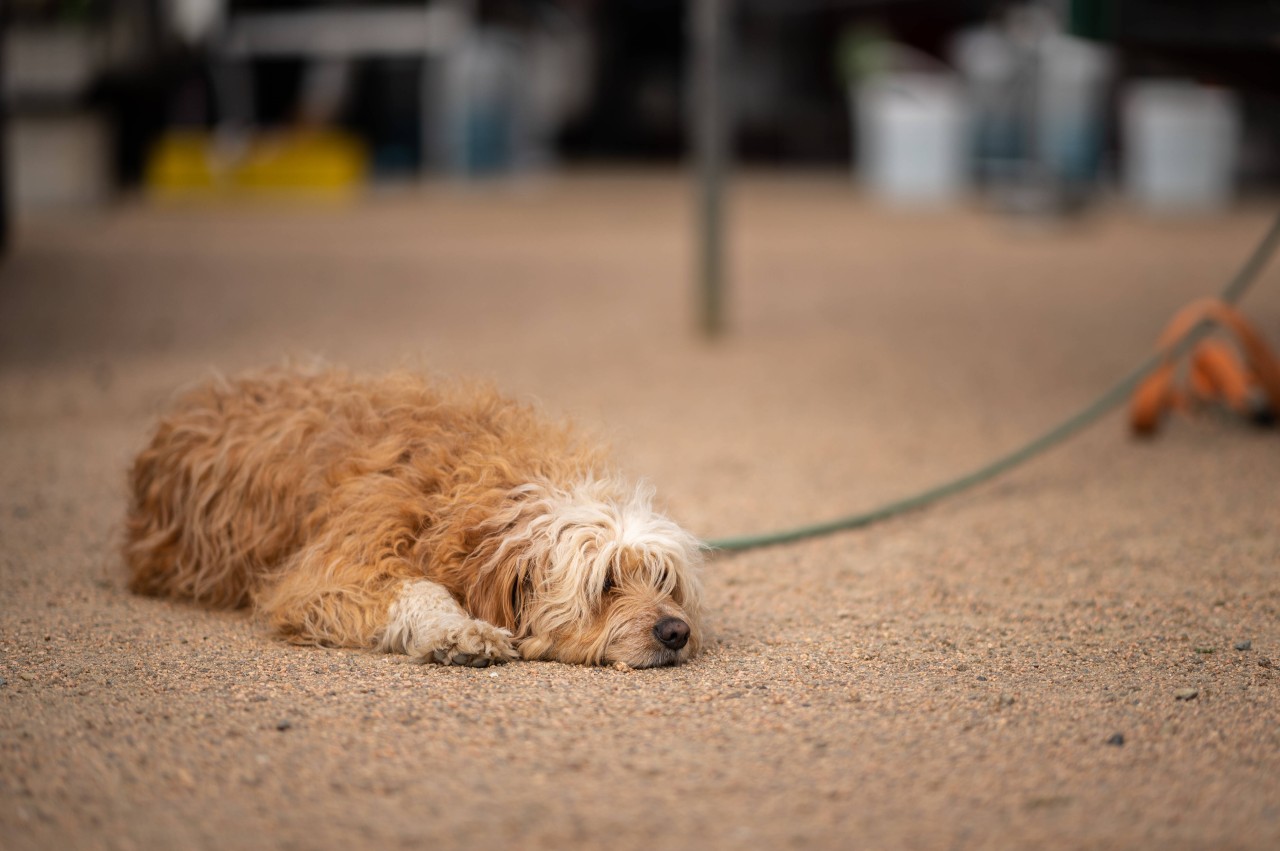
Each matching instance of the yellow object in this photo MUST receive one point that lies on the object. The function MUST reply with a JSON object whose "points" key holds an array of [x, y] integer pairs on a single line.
{"points": [[322, 163]]}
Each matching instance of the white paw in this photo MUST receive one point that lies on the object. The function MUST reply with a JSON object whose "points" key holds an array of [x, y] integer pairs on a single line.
{"points": [[475, 644], [426, 623]]}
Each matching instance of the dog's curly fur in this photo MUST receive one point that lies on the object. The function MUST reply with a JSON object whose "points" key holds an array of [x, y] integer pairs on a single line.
{"points": [[439, 520]]}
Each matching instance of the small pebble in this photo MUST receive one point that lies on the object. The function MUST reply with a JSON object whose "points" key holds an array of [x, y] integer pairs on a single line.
{"points": [[1117, 740], [1244, 645], [1186, 694], [981, 678], [284, 724]]}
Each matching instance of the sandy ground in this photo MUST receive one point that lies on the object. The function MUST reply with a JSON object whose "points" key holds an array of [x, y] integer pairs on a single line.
{"points": [[957, 678]]}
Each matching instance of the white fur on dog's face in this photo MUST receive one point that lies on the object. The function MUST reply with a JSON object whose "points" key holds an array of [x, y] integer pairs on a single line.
{"points": [[592, 576]]}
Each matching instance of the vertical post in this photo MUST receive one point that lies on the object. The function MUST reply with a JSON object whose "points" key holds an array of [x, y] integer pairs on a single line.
{"points": [[710, 148], [4, 137]]}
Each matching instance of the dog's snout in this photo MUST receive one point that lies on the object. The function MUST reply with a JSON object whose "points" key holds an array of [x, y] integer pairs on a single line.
{"points": [[672, 632]]}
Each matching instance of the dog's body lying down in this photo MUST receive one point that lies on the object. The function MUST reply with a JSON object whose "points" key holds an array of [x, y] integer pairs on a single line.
{"points": [[444, 522]]}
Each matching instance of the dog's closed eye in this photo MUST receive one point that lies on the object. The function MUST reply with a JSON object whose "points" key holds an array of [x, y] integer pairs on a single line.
{"points": [[608, 584]]}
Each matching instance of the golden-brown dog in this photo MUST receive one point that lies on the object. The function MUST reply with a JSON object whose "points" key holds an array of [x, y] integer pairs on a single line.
{"points": [[444, 522]]}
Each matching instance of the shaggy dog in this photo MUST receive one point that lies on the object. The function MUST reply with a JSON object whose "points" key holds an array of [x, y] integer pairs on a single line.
{"points": [[441, 521]]}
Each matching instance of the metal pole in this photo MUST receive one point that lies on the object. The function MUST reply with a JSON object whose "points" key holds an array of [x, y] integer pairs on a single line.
{"points": [[4, 136], [711, 146]]}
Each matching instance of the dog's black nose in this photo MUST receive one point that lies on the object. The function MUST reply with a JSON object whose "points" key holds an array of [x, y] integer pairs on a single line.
{"points": [[672, 632]]}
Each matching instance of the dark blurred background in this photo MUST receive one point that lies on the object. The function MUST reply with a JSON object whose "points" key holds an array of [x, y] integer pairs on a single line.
{"points": [[1039, 105]]}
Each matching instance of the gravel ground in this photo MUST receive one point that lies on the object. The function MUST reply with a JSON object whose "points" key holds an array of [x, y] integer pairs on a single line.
{"points": [[1083, 654]]}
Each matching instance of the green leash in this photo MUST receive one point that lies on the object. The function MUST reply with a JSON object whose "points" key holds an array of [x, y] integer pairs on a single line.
{"points": [[1120, 391]]}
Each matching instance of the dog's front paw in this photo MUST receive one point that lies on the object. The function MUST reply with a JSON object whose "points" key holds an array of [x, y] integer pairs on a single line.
{"points": [[429, 625], [477, 645]]}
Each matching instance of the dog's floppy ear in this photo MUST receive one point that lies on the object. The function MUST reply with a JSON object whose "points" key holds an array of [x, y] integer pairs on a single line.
{"points": [[498, 574], [520, 591], [498, 591]]}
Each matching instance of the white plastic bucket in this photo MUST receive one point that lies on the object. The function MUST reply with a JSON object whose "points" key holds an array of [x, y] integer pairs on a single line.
{"points": [[912, 134], [1180, 146]]}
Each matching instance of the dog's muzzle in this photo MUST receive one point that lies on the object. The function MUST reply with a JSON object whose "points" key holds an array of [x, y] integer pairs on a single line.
{"points": [[672, 633]]}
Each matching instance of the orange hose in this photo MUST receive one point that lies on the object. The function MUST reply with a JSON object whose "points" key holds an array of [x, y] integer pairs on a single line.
{"points": [[1226, 376], [1216, 371], [1151, 399]]}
